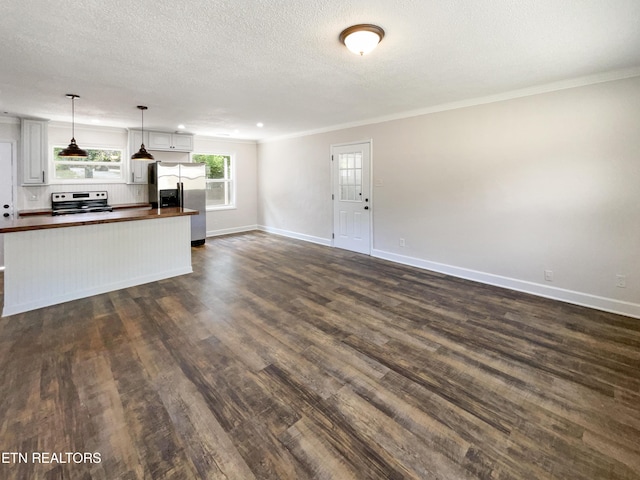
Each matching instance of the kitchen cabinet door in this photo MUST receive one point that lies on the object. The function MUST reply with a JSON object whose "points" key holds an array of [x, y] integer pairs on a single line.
{"points": [[172, 142], [182, 142], [139, 171], [35, 150], [160, 141], [138, 168]]}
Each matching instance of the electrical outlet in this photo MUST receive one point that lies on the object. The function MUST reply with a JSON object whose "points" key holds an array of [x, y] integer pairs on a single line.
{"points": [[621, 281], [402, 242], [548, 275]]}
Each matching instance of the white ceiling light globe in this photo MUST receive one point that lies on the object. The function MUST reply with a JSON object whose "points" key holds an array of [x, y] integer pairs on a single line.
{"points": [[362, 43], [362, 39]]}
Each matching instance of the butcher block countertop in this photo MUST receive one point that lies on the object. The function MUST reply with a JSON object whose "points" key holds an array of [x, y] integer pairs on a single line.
{"points": [[42, 222]]}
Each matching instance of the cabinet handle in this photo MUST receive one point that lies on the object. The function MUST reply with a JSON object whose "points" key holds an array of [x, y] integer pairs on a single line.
{"points": [[43, 176], [132, 178]]}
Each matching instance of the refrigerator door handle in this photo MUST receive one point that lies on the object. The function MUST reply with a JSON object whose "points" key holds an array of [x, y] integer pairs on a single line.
{"points": [[181, 195]]}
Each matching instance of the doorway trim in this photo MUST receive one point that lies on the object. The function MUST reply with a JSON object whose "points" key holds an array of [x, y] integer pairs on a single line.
{"points": [[332, 166], [14, 188], [14, 173]]}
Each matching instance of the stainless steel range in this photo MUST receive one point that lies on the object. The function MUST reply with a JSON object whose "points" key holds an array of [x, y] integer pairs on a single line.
{"points": [[64, 203]]}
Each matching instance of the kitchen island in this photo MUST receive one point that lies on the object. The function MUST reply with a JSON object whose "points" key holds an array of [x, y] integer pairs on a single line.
{"points": [[51, 260]]}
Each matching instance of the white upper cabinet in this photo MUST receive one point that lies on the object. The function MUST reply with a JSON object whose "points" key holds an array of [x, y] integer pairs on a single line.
{"points": [[136, 139], [35, 151], [162, 141], [182, 142], [138, 168], [174, 142]]}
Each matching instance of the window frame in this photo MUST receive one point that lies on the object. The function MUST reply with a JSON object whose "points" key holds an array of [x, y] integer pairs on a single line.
{"points": [[231, 181], [79, 181]]}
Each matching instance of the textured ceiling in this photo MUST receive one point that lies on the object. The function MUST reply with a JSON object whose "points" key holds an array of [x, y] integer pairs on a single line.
{"points": [[222, 66]]}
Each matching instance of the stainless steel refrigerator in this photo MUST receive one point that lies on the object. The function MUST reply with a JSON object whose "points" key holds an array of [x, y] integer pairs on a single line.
{"points": [[181, 185]]}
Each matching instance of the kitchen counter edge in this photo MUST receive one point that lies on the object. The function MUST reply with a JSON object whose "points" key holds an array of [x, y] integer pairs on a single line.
{"points": [[41, 222]]}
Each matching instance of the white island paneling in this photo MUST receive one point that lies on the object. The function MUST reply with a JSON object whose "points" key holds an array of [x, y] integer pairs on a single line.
{"points": [[51, 266]]}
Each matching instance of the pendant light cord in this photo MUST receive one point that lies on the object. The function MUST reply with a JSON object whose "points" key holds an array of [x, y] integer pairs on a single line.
{"points": [[73, 117]]}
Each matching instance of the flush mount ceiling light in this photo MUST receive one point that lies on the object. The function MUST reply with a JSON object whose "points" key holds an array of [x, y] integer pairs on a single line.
{"points": [[142, 154], [362, 39], [73, 150]]}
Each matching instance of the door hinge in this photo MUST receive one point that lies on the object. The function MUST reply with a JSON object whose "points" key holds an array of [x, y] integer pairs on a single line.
{"points": [[332, 158], [332, 197], [333, 235]]}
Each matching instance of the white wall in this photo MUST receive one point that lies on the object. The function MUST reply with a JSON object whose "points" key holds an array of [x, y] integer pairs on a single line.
{"points": [[244, 216], [9, 129], [294, 185], [497, 192]]}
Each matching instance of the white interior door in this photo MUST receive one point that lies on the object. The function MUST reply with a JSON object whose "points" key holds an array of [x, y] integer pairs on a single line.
{"points": [[6, 180], [6, 189], [352, 197]]}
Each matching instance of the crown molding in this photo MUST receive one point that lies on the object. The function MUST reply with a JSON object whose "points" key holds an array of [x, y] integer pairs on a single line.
{"points": [[512, 94]]}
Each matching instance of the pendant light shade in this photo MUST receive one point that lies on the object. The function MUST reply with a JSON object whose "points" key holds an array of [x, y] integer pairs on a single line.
{"points": [[142, 154], [73, 150], [362, 39]]}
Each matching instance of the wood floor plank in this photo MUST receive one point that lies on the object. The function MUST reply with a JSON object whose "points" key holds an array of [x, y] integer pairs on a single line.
{"points": [[319, 459], [209, 447], [282, 359], [342, 436], [393, 442]]}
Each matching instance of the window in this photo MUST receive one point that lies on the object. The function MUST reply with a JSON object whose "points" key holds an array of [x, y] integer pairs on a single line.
{"points": [[350, 176], [100, 166], [220, 178]]}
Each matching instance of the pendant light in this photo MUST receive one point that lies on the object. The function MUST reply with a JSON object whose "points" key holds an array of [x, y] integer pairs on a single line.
{"points": [[362, 39], [73, 150], [142, 153]]}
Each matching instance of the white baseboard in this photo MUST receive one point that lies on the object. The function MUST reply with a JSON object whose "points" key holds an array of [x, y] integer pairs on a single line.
{"points": [[569, 296], [228, 231], [300, 236]]}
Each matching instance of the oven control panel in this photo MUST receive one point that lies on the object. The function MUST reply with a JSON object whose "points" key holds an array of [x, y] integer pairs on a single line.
{"points": [[75, 196]]}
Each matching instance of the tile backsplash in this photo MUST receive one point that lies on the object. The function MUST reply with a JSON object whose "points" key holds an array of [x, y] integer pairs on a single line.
{"points": [[39, 197]]}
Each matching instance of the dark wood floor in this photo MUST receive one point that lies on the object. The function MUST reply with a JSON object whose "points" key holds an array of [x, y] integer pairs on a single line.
{"points": [[279, 359]]}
